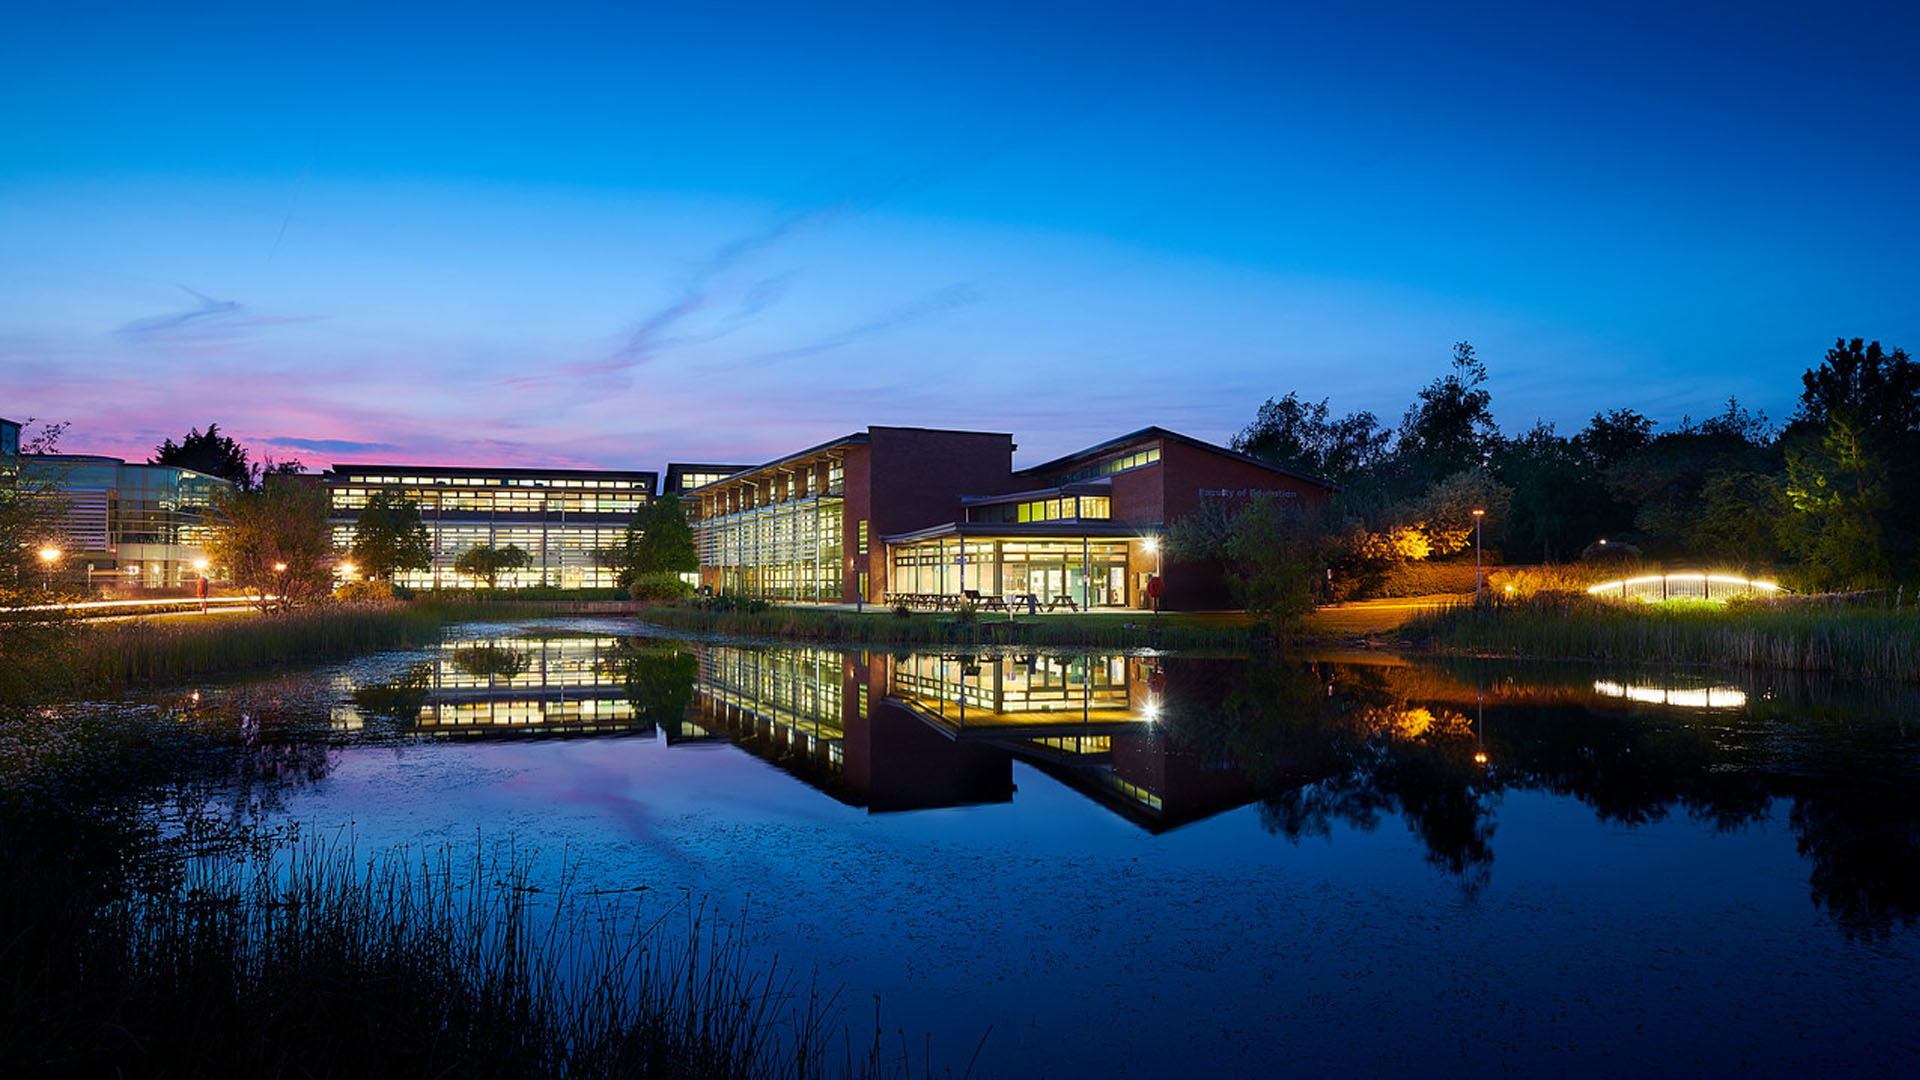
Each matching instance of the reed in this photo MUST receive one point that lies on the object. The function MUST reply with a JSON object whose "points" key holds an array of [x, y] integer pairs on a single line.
{"points": [[417, 964], [110, 656], [1877, 642], [883, 627]]}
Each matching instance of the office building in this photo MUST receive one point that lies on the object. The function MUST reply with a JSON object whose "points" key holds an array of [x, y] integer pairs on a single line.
{"points": [[564, 519]]}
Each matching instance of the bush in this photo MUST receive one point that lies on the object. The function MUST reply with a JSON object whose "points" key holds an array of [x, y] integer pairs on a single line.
{"points": [[659, 587], [1428, 577], [902, 611], [966, 613], [354, 592]]}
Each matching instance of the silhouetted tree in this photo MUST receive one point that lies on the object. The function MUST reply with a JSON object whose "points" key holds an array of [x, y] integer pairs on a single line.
{"points": [[1302, 435], [209, 452]]}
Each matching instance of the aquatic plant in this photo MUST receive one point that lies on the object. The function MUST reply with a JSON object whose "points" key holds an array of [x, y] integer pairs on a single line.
{"points": [[1879, 642]]}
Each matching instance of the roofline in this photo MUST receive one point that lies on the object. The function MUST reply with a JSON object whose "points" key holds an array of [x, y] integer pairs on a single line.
{"points": [[462, 470], [1159, 432], [106, 459], [1092, 528], [844, 440]]}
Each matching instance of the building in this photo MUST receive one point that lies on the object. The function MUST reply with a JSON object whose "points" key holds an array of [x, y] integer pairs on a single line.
{"points": [[682, 478], [561, 517], [126, 524], [914, 515], [9, 437]]}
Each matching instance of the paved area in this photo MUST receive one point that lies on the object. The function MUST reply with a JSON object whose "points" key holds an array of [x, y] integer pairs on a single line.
{"points": [[1377, 616]]}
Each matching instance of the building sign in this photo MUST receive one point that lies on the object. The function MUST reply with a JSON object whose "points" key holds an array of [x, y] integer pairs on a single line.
{"points": [[1241, 493]]}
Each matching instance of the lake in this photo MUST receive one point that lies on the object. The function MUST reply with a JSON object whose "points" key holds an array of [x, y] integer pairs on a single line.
{"points": [[1061, 863]]}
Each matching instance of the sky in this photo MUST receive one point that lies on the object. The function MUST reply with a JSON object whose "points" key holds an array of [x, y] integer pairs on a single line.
{"points": [[629, 234]]}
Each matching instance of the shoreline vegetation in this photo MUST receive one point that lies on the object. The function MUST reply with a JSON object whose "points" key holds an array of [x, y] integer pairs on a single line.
{"points": [[111, 656], [410, 963], [882, 626], [1801, 636]]}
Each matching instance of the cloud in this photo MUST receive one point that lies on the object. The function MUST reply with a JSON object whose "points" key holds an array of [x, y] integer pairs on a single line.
{"points": [[930, 306], [330, 446], [212, 318]]}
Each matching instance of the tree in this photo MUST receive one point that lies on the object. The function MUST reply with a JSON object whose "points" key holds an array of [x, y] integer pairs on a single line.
{"points": [[389, 536], [666, 544], [1270, 549], [211, 453], [1861, 405], [491, 562], [1838, 491], [1450, 427], [1877, 391], [274, 541], [1300, 435]]}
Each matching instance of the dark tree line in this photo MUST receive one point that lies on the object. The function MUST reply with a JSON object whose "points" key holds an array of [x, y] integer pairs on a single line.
{"points": [[1831, 498]]}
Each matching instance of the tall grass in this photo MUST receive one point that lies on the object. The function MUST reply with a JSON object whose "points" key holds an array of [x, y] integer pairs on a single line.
{"points": [[1120, 631], [414, 964], [1876, 642], [109, 656]]}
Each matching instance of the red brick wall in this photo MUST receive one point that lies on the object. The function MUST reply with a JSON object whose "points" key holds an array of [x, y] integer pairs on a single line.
{"points": [[1185, 470], [916, 479], [857, 473]]}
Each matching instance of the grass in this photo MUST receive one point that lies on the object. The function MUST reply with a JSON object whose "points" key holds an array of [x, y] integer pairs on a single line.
{"points": [[413, 964], [1803, 636], [1131, 629], [110, 656]]}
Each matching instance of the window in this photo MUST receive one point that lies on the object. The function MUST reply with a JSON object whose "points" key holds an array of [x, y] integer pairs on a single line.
{"points": [[862, 549]]}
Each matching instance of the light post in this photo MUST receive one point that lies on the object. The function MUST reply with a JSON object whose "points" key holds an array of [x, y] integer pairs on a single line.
{"points": [[1478, 516], [48, 556], [1152, 546]]}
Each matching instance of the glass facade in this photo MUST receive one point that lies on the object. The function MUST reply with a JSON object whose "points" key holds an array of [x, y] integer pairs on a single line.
{"points": [[1122, 463], [124, 524], [561, 519], [785, 550], [1090, 573]]}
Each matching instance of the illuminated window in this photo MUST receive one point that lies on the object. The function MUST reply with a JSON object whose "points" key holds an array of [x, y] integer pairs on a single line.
{"points": [[862, 549]]}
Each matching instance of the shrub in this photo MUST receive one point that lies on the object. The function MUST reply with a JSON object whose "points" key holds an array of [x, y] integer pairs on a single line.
{"points": [[354, 592], [966, 613], [902, 611], [659, 587]]}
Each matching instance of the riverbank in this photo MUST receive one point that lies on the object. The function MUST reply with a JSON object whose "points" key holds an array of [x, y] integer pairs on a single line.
{"points": [[1870, 642], [882, 627], [108, 657]]}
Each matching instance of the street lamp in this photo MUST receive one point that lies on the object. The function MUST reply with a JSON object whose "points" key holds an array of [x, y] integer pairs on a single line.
{"points": [[279, 568], [48, 556], [1152, 547], [1478, 516]]}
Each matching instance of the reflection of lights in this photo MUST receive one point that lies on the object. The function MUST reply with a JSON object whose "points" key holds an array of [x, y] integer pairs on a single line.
{"points": [[196, 696], [1715, 697], [1480, 759]]}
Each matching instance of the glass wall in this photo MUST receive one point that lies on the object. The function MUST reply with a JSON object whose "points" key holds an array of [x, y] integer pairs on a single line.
{"points": [[783, 551], [1063, 508], [1090, 574], [559, 521], [123, 524]]}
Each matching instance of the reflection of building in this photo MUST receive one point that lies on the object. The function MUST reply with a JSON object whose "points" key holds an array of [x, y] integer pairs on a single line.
{"points": [[514, 686], [559, 517], [911, 514], [126, 524], [898, 733]]}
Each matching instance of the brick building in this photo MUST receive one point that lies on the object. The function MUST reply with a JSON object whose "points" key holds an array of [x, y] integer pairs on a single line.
{"points": [[917, 515]]}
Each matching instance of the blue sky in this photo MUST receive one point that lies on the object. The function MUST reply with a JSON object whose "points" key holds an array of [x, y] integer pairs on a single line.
{"points": [[623, 235]]}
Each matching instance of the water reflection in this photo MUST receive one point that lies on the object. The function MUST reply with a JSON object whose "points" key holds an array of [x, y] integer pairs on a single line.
{"points": [[1316, 747], [545, 686]]}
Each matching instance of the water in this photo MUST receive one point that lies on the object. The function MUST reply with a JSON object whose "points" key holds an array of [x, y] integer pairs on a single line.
{"points": [[1145, 866]]}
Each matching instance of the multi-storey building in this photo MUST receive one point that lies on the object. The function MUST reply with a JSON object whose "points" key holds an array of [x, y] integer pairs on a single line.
{"points": [[912, 514], [123, 523], [564, 519]]}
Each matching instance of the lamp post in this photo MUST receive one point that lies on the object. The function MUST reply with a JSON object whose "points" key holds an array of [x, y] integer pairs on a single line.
{"points": [[48, 556], [1152, 546], [1478, 516]]}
